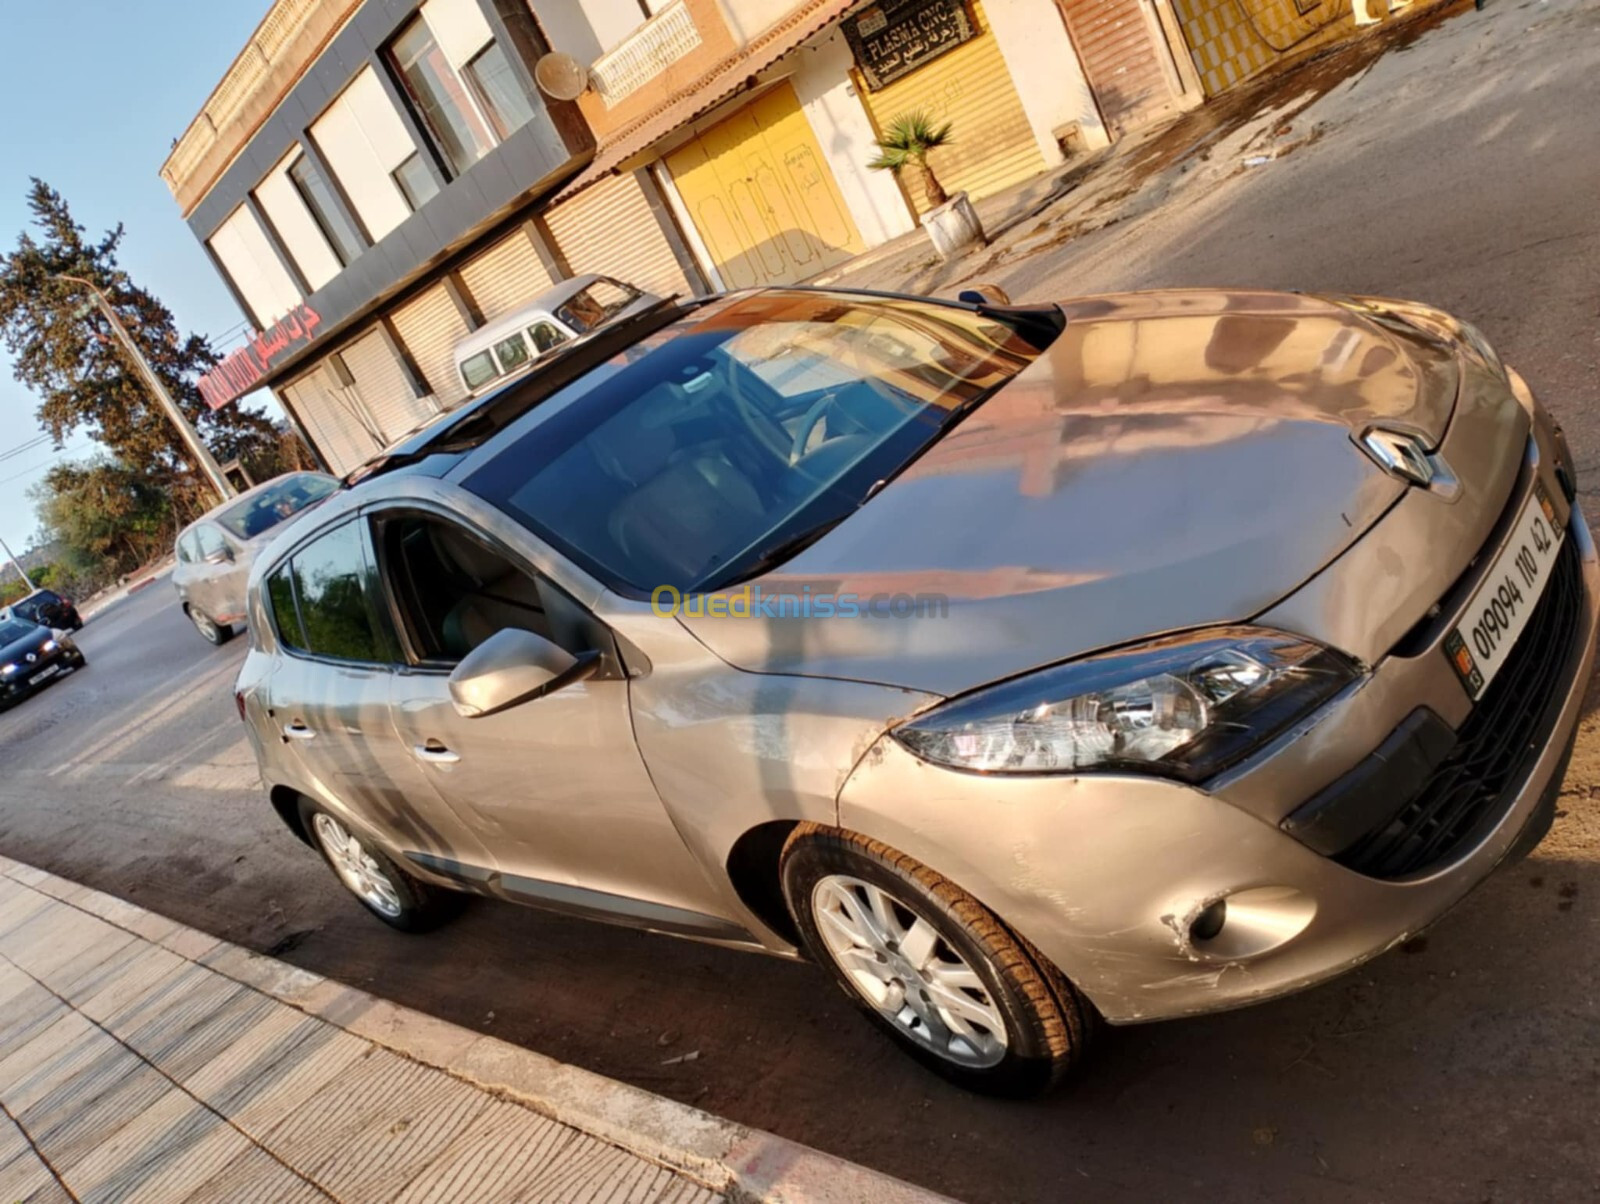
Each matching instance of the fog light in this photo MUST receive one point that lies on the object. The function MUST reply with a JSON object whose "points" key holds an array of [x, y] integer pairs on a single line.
{"points": [[1208, 924]]}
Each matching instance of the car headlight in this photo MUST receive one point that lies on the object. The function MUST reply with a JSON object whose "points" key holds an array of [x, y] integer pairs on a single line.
{"points": [[1185, 707], [49, 646], [8, 671]]}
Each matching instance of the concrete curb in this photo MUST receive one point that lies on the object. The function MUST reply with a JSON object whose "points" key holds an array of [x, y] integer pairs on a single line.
{"points": [[746, 1165]]}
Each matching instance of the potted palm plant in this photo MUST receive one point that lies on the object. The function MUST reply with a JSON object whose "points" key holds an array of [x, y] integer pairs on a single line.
{"points": [[951, 221]]}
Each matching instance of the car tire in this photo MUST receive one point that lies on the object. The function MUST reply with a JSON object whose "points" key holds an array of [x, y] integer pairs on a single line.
{"points": [[973, 1001], [213, 632], [378, 884]]}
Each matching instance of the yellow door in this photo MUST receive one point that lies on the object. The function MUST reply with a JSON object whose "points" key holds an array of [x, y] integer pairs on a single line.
{"points": [[761, 196]]}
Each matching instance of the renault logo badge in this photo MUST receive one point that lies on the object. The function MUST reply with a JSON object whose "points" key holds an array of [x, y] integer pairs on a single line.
{"points": [[32, 657], [1400, 454]]}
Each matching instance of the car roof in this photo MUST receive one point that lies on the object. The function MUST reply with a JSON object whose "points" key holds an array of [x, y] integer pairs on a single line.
{"points": [[491, 333]]}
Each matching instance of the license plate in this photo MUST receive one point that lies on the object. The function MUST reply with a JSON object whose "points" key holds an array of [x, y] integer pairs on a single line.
{"points": [[44, 674], [1481, 643]]}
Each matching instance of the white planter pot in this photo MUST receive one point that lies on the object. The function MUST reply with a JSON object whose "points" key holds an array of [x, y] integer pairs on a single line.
{"points": [[954, 227]]}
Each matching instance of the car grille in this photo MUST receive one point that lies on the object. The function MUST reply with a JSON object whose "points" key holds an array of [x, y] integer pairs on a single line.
{"points": [[1496, 747]]}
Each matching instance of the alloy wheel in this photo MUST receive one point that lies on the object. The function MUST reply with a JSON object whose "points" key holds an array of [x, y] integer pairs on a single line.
{"points": [[204, 623], [356, 867], [901, 965]]}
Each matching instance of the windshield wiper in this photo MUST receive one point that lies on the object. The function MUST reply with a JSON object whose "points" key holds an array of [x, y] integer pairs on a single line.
{"points": [[774, 555]]}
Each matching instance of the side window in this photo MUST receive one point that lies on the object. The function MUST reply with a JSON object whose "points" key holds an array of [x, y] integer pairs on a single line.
{"points": [[286, 616], [186, 548], [478, 370], [453, 592], [546, 336], [512, 353], [208, 542], [330, 584]]}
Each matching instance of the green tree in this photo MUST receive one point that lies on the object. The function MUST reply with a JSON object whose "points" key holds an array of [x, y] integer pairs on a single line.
{"points": [[907, 143], [64, 351], [107, 518]]}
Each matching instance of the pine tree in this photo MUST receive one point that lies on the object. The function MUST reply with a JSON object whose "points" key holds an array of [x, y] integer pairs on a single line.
{"points": [[64, 351]]}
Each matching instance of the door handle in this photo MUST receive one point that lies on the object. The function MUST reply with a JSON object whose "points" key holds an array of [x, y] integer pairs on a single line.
{"points": [[298, 731], [435, 755]]}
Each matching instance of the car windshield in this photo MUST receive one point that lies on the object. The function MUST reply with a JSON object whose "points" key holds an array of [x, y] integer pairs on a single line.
{"points": [[278, 501], [594, 304], [715, 447], [12, 630], [30, 607]]}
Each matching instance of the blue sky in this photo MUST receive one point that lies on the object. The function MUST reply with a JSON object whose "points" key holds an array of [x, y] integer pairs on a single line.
{"points": [[92, 93]]}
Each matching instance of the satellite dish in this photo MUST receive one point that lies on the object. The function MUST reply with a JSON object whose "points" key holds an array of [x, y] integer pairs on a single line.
{"points": [[561, 76]]}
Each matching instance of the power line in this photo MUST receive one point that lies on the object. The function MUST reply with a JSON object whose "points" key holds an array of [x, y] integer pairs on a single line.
{"points": [[43, 464], [24, 447]]}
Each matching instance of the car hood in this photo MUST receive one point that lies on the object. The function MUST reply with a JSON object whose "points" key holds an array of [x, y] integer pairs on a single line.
{"points": [[17, 649], [1172, 460]]}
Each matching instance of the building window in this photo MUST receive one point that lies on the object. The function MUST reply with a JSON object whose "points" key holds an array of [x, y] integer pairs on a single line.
{"points": [[449, 113], [498, 91], [325, 208], [415, 182]]}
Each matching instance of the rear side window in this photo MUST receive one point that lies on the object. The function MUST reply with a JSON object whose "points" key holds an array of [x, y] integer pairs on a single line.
{"points": [[512, 353], [186, 548], [330, 585], [478, 370], [209, 541], [285, 615]]}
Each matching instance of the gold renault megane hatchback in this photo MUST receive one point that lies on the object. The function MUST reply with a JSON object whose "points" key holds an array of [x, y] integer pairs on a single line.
{"points": [[1128, 658]]}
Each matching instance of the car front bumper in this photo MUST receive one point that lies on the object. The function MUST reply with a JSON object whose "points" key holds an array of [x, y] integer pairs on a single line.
{"points": [[64, 658], [1109, 875]]}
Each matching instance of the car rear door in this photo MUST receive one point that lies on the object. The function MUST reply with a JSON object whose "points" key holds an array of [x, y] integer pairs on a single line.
{"points": [[328, 698]]}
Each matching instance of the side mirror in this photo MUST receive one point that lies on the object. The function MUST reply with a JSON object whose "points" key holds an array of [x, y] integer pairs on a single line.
{"points": [[984, 294], [512, 667], [223, 555]]}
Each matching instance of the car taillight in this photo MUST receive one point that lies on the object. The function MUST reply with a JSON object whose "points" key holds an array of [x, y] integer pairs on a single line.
{"points": [[238, 701]]}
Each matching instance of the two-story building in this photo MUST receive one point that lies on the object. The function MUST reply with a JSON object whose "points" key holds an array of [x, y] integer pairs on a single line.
{"points": [[377, 178]]}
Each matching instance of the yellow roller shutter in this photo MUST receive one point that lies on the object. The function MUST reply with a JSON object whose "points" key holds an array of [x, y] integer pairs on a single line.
{"points": [[610, 228], [430, 326], [506, 276], [993, 143], [762, 196], [334, 419], [384, 387]]}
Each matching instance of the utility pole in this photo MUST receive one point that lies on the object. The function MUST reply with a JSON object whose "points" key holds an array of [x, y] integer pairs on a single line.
{"points": [[26, 580], [191, 437]]}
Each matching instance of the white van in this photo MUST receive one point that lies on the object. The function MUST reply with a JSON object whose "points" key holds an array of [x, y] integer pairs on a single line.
{"points": [[512, 344]]}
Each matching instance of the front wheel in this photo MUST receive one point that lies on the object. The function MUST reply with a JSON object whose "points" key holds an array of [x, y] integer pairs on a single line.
{"points": [[380, 885], [932, 967]]}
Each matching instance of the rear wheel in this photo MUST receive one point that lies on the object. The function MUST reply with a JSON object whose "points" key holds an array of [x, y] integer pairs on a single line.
{"points": [[380, 885], [932, 967], [214, 632]]}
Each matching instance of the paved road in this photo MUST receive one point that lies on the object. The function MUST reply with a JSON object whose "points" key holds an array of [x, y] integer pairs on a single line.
{"points": [[1463, 171]]}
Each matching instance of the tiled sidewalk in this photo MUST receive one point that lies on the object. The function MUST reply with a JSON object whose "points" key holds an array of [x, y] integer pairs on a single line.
{"points": [[140, 1060]]}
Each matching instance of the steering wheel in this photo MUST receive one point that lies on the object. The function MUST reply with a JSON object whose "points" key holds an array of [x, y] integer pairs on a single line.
{"points": [[808, 424], [767, 432]]}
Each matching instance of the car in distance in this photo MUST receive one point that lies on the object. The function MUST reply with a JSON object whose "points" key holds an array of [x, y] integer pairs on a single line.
{"points": [[214, 553], [48, 609], [31, 657], [1135, 657], [511, 345]]}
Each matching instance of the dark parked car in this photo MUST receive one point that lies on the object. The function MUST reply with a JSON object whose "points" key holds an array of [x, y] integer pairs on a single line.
{"points": [[48, 609], [31, 657]]}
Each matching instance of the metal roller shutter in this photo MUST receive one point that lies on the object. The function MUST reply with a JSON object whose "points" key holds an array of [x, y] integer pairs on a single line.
{"points": [[507, 275], [334, 419], [1120, 54], [384, 386], [430, 326], [610, 228], [993, 144]]}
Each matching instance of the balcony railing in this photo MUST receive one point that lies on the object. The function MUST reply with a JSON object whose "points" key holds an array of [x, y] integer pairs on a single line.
{"points": [[648, 51]]}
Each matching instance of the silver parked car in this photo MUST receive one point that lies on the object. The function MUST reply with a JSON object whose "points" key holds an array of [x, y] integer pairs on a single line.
{"points": [[214, 553], [1133, 658]]}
